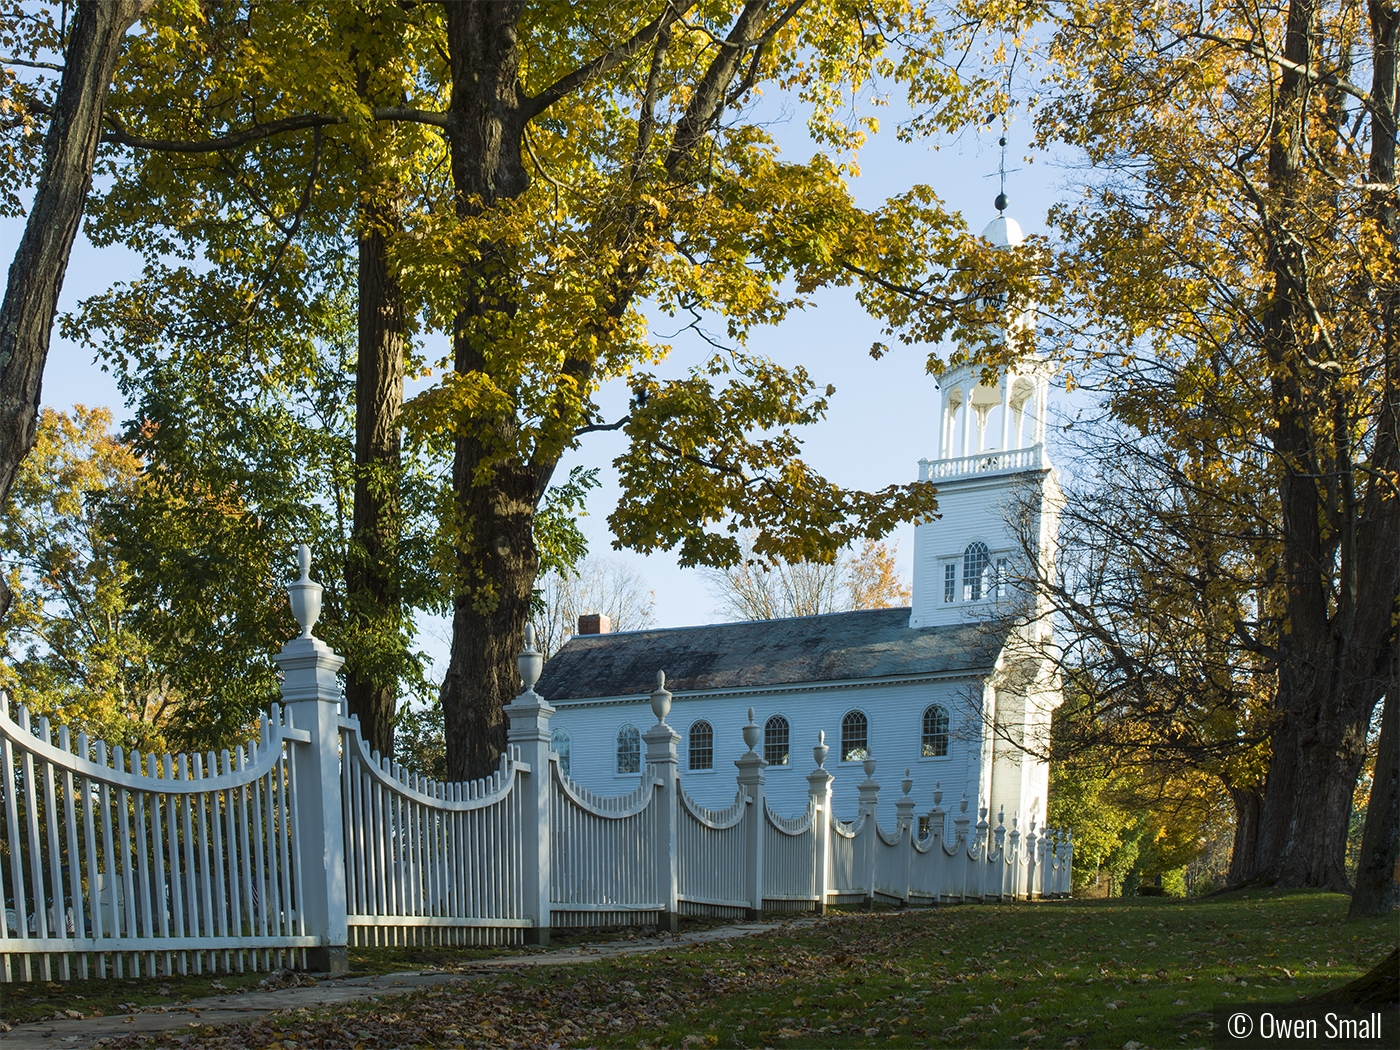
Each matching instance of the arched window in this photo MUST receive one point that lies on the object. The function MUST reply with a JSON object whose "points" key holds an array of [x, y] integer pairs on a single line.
{"points": [[702, 746], [629, 750], [977, 568], [775, 741], [559, 740], [935, 732], [854, 729]]}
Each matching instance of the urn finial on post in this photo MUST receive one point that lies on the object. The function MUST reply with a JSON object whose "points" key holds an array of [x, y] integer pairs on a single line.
{"points": [[305, 593], [661, 699], [821, 750], [530, 661], [752, 732]]}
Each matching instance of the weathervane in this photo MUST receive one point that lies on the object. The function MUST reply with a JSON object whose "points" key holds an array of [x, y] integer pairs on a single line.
{"points": [[1002, 200]]}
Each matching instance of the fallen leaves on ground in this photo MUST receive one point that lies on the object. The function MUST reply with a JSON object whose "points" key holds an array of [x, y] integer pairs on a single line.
{"points": [[1016, 978]]}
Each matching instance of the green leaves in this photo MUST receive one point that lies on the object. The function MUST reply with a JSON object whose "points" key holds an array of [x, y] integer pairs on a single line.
{"points": [[707, 461]]}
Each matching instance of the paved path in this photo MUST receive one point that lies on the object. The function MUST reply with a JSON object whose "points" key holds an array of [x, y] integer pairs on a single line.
{"points": [[245, 1006]]}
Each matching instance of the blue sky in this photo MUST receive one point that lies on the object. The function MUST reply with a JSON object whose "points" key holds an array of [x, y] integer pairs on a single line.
{"points": [[882, 418]]}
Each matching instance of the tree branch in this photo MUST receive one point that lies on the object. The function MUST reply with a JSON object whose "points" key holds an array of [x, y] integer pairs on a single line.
{"points": [[594, 427], [121, 137], [8, 61], [1307, 72], [608, 60]]}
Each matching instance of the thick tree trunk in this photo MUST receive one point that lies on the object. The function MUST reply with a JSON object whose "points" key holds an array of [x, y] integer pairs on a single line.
{"points": [[1378, 872], [489, 615], [1248, 803], [496, 485], [1307, 800], [1341, 534], [372, 571], [495, 494], [36, 275]]}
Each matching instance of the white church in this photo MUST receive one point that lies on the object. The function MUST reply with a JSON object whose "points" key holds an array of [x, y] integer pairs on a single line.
{"points": [[952, 688]]}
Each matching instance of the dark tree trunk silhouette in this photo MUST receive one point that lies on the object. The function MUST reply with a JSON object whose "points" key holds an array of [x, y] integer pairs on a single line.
{"points": [[1338, 642], [373, 599], [1378, 872], [41, 260]]}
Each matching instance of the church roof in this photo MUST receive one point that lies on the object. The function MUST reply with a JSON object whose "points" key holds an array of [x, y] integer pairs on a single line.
{"points": [[865, 644]]}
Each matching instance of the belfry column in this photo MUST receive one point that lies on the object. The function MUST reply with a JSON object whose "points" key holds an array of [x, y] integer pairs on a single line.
{"points": [[967, 421], [1006, 382]]}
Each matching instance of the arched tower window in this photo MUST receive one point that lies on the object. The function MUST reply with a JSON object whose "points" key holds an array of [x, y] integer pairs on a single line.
{"points": [[977, 569], [854, 737], [559, 740], [629, 750], [775, 741], [935, 736], [702, 745]]}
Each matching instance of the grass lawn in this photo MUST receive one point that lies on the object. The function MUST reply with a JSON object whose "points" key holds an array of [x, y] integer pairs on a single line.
{"points": [[1054, 974]]}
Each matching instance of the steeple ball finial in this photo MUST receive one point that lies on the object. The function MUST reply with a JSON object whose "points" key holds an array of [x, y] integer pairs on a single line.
{"points": [[1001, 202]]}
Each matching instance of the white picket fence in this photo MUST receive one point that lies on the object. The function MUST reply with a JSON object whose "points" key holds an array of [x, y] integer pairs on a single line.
{"points": [[302, 843]]}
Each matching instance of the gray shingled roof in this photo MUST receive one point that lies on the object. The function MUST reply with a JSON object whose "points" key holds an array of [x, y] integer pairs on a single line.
{"points": [[868, 643]]}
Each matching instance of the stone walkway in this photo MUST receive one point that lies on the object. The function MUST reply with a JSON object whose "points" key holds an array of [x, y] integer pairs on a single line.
{"points": [[245, 1006]]}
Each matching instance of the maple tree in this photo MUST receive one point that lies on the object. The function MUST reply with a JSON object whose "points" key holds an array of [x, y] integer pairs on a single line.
{"points": [[1156, 562], [546, 187], [1244, 237], [70, 646]]}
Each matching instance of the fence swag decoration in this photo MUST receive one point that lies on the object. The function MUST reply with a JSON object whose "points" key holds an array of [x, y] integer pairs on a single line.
{"points": [[303, 842]]}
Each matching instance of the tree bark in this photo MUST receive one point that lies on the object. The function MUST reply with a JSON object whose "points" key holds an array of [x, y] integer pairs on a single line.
{"points": [[494, 494], [41, 260], [1248, 802], [372, 571], [1378, 872], [496, 488]]}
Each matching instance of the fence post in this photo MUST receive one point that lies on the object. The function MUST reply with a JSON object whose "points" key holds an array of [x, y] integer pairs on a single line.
{"points": [[1068, 863], [960, 823], [904, 822], [311, 697], [751, 783], [1000, 834], [529, 715], [868, 793], [938, 828], [1015, 861], [1032, 861], [819, 789], [664, 762], [983, 843]]}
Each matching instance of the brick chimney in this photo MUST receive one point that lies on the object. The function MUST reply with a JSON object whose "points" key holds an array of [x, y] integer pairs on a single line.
{"points": [[594, 623]]}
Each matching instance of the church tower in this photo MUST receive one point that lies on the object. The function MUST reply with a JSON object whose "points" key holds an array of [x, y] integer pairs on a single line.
{"points": [[999, 501], [991, 464]]}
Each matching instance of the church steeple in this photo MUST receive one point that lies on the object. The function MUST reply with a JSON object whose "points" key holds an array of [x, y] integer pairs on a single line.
{"points": [[990, 455]]}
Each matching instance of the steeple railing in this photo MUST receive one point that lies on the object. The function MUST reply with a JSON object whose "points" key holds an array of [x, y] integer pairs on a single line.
{"points": [[992, 461]]}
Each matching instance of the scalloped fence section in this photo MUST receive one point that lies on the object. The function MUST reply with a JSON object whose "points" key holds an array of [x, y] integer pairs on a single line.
{"points": [[119, 864]]}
